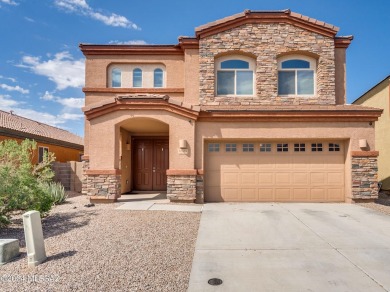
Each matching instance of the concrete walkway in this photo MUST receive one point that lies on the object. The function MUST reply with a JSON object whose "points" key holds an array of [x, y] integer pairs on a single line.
{"points": [[154, 202], [292, 247]]}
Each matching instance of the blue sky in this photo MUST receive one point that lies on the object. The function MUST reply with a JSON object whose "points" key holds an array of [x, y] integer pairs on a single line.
{"points": [[41, 67]]}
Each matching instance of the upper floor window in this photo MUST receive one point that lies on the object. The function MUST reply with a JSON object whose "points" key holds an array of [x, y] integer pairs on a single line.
{"points": [[116, 77], [235, 75], [296, 76], [42, 152], [158, 78], [137, 77]]}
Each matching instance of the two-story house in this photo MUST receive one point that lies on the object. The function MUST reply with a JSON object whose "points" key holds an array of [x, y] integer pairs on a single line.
{"points": [[250, 109]]}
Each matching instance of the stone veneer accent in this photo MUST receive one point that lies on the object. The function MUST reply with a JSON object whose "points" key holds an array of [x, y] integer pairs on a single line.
{"points": [[181, 188], [364, 177], [266, 41], [100, 186], [200, 188]]}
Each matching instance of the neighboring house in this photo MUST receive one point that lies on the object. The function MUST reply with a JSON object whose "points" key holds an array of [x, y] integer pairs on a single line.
{"points": [[379, 97], [250, 109], [65, 145]]}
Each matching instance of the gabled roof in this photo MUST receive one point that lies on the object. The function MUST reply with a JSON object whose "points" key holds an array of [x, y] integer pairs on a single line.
{"points": [[254, 16], [9, 122], [386, 79]]}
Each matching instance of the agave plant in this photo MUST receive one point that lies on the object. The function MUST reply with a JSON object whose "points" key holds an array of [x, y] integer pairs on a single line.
{"points": [[56, 190]]}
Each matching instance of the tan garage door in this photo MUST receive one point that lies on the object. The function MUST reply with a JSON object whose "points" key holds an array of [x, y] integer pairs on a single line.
{"points": [[274, 171]]}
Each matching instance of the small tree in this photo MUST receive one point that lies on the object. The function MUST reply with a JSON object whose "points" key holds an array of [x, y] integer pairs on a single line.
{"points": [[21, 181]]}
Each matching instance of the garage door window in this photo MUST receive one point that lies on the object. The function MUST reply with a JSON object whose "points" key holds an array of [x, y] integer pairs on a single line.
{"points": [[265, 147], [299, 147], [316, 147], [282, 147], [334, 147], [213, 147], [248, 147], [231, 147]]}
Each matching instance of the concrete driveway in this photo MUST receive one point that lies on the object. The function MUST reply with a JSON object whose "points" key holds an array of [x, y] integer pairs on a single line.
{"points": [[292, 247]]}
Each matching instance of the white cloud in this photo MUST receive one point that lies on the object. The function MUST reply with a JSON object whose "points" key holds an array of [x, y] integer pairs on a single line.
{"points": [[8, 78], [70, 102], [8, 104], [29, 19], [9, 2], [62, 69], [132, 42], [82, 7], [14, 88]]}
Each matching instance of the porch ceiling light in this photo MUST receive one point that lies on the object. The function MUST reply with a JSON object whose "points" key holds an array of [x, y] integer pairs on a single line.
{"points": [[363, 143]]}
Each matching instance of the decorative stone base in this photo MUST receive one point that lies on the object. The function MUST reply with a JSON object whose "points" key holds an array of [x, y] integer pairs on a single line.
{"points": [[181, 188], [364, 177], [200, 188], [101, 200]]}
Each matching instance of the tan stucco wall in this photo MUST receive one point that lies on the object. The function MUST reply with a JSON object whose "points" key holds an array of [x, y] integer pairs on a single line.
{"points": [[191, 66], [125, 161], [104, 152], [97, 68], [340, 74], [379, 97], [350, 133]]}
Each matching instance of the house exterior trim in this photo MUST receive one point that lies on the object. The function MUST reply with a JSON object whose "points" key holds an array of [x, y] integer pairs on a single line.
{"points": [[103, 171], [88, 49], [133, 90], [364, 153]]}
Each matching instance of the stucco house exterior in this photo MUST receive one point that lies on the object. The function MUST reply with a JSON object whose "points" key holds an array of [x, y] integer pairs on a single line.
{"points": [[252, 108], [379, 96], [65, 145]]}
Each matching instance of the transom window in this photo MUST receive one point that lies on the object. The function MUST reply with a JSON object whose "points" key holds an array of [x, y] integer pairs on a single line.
{"points": [[282, 147], [248, 147], [213, 147], [235, 75], [299, 147], [334, 147], [116, 77], [158, 78], [137, 77], [265, 147], [296, 76], [231, 147], [316, 147]]}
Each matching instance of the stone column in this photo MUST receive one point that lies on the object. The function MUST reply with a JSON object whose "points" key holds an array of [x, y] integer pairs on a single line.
{"points": [[364, 175]]}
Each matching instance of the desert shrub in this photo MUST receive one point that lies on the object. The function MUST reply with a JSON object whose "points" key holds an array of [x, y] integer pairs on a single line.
{"points": [[20, 180], [56, 190]]}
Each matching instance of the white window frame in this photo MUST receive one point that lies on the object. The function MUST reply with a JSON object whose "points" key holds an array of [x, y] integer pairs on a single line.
{"points": [[142, 77], [313, 67], [44, 150], [252, 68]]}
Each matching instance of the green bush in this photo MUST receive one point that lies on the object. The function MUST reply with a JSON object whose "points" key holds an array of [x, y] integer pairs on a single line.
{"points": [[56, 190], [21, 181]]}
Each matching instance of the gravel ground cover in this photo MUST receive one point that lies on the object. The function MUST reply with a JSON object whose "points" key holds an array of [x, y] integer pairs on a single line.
{"points": [[103, 249], [382, 204]]}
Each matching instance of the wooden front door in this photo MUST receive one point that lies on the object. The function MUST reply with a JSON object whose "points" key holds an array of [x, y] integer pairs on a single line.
{"points": [[151, 160]]}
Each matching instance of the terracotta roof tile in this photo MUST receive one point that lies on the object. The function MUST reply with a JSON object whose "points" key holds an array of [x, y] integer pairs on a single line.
{"points": [[20, 124], [346, 107]]}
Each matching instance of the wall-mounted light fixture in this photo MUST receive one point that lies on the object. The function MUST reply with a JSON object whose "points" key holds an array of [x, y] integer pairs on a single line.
{"points": [[363, 143], [182, 144]]}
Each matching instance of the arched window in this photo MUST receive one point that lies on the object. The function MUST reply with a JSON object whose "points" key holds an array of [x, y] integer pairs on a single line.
{"points": [[116, 77], [137, 77], [296, 76], [158, 78], [234, 75]]}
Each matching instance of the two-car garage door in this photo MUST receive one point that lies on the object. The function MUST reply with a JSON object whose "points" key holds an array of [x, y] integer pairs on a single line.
{"points": [[274, 171]]}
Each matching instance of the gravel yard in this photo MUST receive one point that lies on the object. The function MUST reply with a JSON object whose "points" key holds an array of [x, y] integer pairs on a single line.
{"points": [[382, 204], [103, 249]]}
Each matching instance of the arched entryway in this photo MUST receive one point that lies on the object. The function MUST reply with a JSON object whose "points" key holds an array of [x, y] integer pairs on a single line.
{"points": [[144, 155]]}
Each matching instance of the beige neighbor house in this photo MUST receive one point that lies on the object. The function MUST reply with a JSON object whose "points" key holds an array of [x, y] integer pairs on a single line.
{"points": [[252, 108], [379, 96]]}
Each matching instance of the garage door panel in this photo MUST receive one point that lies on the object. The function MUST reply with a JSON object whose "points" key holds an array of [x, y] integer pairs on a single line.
{"points": [[249, 178], [275, 176], [266, 194], [266, 178], [231, 194], [301, 194], [300, 178], [231, 178], [282, 194], [283, 178], [249, 194]]}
